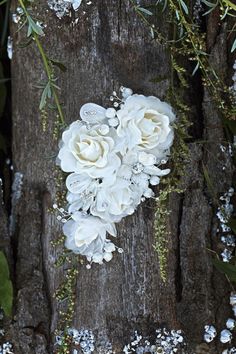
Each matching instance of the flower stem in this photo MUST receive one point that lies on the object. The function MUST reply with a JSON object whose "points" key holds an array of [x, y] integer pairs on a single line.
{"points": [[46, 65], [49, 75]]}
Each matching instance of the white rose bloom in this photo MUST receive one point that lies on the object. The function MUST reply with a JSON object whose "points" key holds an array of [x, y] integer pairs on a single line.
{"points": [[89, 151], [115, 201], [86, 235], [145, 124]]}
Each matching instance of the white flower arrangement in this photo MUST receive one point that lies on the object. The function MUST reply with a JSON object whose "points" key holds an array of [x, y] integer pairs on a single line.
{"points": [[113, 156]]}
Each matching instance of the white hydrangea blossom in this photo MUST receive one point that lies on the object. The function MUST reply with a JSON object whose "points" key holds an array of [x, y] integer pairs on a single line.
{"points": [[113, 157]]}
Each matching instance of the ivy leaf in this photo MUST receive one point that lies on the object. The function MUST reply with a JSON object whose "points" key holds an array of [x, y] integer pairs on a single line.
{"points": [[226, 268], [6, 288], [232, 224], [145, 11]]}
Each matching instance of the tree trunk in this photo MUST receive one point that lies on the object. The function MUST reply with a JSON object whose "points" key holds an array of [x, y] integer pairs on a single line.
{"points": [[110, 47]]}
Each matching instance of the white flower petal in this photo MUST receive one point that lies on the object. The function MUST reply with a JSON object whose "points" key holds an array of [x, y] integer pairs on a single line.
{"points": [[76, 4], [92, 113]]}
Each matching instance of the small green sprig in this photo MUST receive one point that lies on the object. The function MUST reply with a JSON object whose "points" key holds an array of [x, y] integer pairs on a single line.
{"points": [[192, 44], [50, 89], [171, 184], [66, 296]]}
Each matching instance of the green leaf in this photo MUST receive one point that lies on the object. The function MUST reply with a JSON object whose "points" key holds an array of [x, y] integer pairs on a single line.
{"points": [[6, 288], [47, 93], [232, 224], [195, 69], [184, 6], [4, 270], [33, 27], [210, 4], [145, 11], [233, 46], [228, 269], [177, 15], [60, 65], [6, 297]]}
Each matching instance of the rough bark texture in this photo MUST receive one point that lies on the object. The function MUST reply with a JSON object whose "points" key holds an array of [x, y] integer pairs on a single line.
{"points": [[109, 47]]}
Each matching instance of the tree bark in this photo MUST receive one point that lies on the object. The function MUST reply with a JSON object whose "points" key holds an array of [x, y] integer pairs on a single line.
{"points": [[110, 47]]}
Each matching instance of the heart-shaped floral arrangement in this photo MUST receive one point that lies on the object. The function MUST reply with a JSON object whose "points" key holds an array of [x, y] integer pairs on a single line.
{"points": [[114, 157]]}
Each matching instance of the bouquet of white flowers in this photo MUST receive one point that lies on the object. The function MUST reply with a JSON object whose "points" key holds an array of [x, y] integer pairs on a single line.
{"points": [[113, 156]]}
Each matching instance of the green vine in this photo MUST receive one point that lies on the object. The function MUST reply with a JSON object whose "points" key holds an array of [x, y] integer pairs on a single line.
{"points": [[191, 44], [50, 88], [187, 42]]}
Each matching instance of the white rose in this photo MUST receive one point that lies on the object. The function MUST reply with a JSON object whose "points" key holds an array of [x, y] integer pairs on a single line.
{"points": [[89, 150], [145, 124], [86, 235]]}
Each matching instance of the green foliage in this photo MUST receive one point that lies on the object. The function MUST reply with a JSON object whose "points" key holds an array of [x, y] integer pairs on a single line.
{"points": [[33, 27], [6, 288], [226, 268], [171, 184], [232, 224], [49, 89], [186, 42], [191, 43]]}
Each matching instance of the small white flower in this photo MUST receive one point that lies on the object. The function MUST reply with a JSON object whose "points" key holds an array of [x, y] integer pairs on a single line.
{"points": [[225, 336], [232, 299], [210, 333], [110, 113], [230, 324]]}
